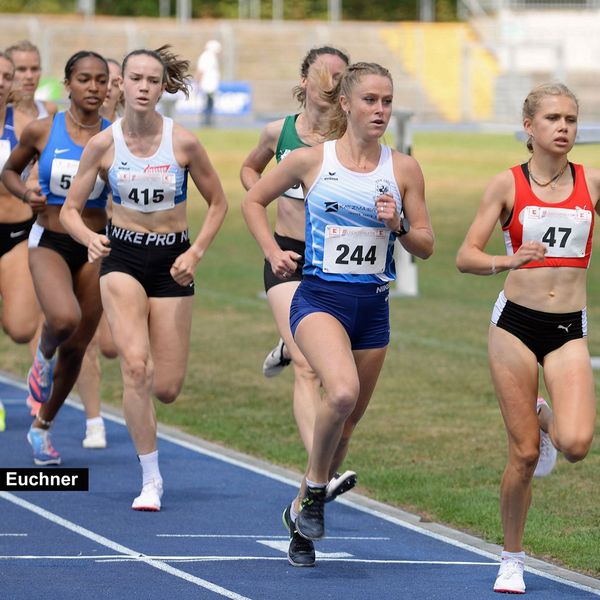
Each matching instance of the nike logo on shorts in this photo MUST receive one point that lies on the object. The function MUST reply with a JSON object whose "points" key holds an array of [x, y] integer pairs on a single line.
{"points": [[15, 234]]}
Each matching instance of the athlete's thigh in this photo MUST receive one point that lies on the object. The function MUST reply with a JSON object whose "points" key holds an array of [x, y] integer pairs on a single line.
{"points": [[326, 345], [514, 370], [570, 381], [53, 283], [170, 323], [126, 307], [87, 289], [280, 299], [368, 363], [19, 302]]}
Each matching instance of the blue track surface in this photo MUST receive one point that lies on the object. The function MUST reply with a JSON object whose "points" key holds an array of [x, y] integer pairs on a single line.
{"points": [[219, 534]]}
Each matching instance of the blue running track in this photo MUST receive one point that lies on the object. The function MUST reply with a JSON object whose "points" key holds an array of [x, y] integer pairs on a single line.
{"points": [[219, 534]]}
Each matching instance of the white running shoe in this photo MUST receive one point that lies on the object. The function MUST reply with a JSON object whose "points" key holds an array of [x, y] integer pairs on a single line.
{"points": [[95, 436], [547, 458], [275, 361], [548, 452], [150, 497], [340, 484], [510, 577]]}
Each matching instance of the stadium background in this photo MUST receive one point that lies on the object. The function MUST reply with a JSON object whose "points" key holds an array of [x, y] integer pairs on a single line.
{"points": [[432, 442]]}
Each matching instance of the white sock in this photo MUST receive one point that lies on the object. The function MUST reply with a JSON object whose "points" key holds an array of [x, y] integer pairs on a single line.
{"points": [[312, 484], [94, 421], [293, 511], [520, 556], [150, 468]]}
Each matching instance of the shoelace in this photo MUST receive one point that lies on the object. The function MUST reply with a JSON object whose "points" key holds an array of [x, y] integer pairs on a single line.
{"points": [[510, 568], [545, 447]]}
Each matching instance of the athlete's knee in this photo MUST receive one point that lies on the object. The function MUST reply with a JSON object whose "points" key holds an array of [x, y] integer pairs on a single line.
{"points": [[137, 370], [524, 459], [342, 399], [167, 392], [63, 326], [19, 333], [574, 447]]}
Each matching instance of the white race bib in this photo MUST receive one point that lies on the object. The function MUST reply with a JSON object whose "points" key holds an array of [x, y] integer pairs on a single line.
{"points": [[61, 176], [355, 250], [4, 152], [147, 192], [563, 231]]}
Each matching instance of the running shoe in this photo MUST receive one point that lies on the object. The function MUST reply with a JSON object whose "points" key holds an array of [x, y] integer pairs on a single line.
{"points": [[548, 453], [43, 451], [276, 361], [40, 377], [95, 436], [510, 577], [340, 484], [33, 405], [311, 518], [150, 497], [301, 552], [2, 417]]}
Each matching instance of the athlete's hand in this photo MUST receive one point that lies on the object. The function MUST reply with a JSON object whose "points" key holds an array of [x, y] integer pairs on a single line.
{"points": [[386, 211], [98, 248], [35, 199], [284, 263], [184, 268], [528, 252]]}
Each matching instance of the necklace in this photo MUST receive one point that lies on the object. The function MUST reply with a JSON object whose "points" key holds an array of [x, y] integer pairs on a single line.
{"points": [[82, 125], [553, 182], [355, 163]]}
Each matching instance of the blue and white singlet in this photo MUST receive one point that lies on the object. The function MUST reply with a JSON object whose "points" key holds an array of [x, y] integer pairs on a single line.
{"points": [[344, 239], [58, 165], [151, 183]]}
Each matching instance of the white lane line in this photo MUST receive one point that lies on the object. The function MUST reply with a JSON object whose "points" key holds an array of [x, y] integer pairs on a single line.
{"points": [[252, 537], [283, 547], [99, 539], [330, 557], [13, 535]]}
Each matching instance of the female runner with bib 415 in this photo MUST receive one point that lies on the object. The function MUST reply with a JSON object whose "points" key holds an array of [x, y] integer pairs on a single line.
{"points": [[148, 266]]}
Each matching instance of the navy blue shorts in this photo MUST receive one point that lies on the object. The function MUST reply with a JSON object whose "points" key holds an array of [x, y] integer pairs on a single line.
{"points": [[148, 258], [361, 308]]}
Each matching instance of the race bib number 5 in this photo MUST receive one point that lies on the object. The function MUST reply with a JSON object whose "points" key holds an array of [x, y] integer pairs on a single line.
{"points": [[355, 250], [63, 171], [563, 231], [147, 192]]}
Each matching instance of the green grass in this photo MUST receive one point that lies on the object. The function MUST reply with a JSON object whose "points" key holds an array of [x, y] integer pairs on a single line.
{"points": [[432, 440]]}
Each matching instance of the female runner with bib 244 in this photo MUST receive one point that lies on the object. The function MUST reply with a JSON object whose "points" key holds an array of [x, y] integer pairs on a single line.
{"points": [[148, 266], [356, 191], [546, 208]]}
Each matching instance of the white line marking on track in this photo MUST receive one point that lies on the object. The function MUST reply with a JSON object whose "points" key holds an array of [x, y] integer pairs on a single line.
{"points": [[13, 534], [330, 557], [272, 537], [283, 547], [132, 554]]}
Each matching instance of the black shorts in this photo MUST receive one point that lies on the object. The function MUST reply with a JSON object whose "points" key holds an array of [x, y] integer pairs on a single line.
{"points": [[72, 252], [148, 258], [12, 234], [285, 243], [541, 332]]}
